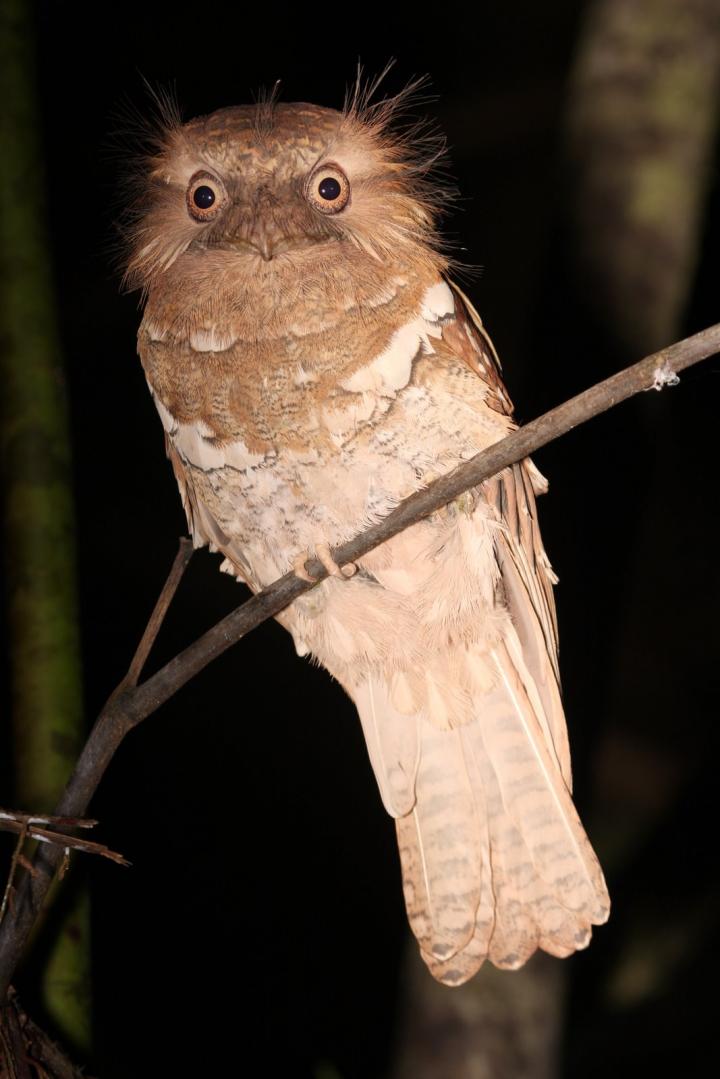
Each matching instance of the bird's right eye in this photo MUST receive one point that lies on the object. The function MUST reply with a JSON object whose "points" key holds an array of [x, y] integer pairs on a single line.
{"points": [[205, 196], [328, 189]]}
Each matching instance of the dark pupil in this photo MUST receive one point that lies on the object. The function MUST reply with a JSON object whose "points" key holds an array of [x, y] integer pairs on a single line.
{"points": [[329, 188], [204, 197]]}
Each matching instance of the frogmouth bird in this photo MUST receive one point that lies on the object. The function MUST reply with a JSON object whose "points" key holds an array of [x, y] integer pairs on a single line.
{"points": [[313, 364]]}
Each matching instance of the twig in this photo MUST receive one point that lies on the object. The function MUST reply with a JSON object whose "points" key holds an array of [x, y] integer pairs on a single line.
{"points": [[61, 839], [71, 842], [8, 890], [132, 703], [27, 825], [157, 618], [10, 817]]}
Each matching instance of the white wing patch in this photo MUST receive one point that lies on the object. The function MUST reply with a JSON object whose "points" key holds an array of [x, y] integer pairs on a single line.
{"points": [[391, 370], [207, 454], [196, 444], [438, 303]]}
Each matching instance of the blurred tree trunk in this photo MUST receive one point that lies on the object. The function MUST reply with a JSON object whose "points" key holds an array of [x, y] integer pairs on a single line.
{"points": [[498, 1024], [643, 112], [642, 128], [39, 526]]}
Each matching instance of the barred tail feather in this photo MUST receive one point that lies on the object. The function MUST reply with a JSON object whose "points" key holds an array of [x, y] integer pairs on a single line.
{"points": [[496, 863]]}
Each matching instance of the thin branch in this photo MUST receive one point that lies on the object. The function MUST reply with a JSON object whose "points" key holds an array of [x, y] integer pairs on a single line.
{"points": [[8, 817], [8, 891], [63, 840], [130, 704], [73, 842], [157, 618]]}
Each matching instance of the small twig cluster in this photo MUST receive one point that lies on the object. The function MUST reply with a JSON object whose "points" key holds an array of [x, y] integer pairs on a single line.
{"points": [[47, 829]]}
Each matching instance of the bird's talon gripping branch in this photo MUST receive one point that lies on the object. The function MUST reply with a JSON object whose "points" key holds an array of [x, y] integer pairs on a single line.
{"points": [[298, 565], [322, 552]]}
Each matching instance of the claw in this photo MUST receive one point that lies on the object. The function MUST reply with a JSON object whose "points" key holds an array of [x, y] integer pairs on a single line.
{"points": [[322, 551], [298, 565]]}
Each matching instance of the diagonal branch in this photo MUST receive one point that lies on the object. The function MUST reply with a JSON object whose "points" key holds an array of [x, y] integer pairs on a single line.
{"points": [[157, 618], [131, 703]]}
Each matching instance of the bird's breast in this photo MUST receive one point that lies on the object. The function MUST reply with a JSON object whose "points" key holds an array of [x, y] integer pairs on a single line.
{"points": [[329, 435]]}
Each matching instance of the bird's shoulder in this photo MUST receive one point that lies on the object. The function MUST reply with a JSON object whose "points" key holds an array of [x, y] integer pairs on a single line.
{"points": [[467, 338]]}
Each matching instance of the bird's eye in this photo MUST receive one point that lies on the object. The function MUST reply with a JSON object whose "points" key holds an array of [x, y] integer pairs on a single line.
{"points": [[205, 197], [328, 189]]}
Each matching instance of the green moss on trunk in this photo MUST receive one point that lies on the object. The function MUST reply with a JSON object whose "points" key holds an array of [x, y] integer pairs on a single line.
{"points": [[38, 518]]}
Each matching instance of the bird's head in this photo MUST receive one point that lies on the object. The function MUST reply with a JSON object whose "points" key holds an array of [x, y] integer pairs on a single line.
{"points": [[280, 195]]}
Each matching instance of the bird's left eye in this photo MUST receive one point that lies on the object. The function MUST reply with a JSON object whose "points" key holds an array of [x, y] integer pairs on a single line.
{"points": [[328, 189], [205, 196]]}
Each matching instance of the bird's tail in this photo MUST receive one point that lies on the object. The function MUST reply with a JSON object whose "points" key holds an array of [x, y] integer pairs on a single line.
{"points": [[495, 861]]}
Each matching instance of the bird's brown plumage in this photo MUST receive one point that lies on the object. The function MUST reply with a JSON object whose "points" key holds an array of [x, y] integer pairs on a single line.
{"points": [[312, 366]]}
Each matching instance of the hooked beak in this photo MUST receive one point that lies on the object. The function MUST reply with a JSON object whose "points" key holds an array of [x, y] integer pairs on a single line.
{"points": [[265, 237], [262, 232], [268, 240]]}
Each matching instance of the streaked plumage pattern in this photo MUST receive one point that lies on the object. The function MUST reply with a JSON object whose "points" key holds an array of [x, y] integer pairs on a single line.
{"points": [[312, 365]]}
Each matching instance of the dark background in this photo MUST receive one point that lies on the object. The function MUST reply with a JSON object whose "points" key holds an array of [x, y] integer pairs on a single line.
{"points": [[262, 919]]}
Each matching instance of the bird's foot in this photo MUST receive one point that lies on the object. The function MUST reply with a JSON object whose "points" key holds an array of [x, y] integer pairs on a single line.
{"points": [[322, 552]]}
